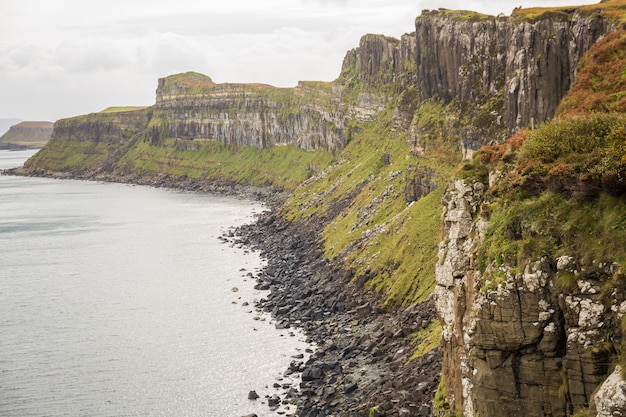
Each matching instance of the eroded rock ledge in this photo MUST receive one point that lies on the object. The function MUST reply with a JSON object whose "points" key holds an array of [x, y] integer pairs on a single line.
{"points": [[536, 340]]}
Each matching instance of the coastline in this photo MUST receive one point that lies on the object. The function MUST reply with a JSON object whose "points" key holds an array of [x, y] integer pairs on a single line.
{"points": [[269, 195], [361, 365]]}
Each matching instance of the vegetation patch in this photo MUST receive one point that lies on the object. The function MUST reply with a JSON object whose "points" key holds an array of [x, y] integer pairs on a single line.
{"points": [[188, 82], [281, 166], [389, 243], [461, 15], [614, 10], [426, 339], [553, 225], [69, 155], [121, 109]]}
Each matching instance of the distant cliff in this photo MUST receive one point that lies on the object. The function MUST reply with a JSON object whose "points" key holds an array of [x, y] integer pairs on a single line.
{"points": [[27, 135], [191, 107]]}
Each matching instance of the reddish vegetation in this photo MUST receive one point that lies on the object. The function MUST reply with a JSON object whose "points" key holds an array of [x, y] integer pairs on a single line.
{"points": [[583, 151], [498, 152], [601, 79]]}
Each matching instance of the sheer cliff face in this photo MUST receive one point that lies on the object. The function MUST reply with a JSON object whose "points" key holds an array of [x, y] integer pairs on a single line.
{"points": [[311, 116], [253, 115], [531, 63], [517, 343], [115, 127]]}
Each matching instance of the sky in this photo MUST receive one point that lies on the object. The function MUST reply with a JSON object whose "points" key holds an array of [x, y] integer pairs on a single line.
{"points": [[64, 58]]}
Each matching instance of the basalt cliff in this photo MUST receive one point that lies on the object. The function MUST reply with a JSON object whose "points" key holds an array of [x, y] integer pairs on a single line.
{"points": [[512, 126]]}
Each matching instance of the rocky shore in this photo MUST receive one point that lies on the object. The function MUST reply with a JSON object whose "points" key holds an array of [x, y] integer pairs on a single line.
{"points": [[361, 366], [270, 195]]}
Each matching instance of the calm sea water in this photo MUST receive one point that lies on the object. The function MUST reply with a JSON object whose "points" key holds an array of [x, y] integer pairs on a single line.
{"points": [[118, 300]]}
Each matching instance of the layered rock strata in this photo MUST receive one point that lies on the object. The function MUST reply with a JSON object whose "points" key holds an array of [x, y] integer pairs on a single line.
{"points": [[531, 63], [252, 115], [514, 342], [114, 127]]}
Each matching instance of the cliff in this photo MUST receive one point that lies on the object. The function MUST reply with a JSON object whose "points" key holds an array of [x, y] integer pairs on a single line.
{"points": [[27, 135], [528, 64], [307, 116], [530, 280], [527, 268]]}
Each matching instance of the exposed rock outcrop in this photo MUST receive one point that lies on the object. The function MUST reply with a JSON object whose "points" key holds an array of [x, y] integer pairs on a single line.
{"points": [[115, 127], [251, 115], [515, 341], [471, 57]]}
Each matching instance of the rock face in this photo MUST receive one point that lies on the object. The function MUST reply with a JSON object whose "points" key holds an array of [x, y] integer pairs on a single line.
{"points": [[531, 63], [109, 127], [27, 135], [513, 344], [512, 72], [308, 116], [382, 60], [516, 344]]}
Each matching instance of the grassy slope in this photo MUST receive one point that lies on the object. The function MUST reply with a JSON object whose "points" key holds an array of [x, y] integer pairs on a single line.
{"points": [[389, 244], [564, 187], [64, 155], [611, 9], [285, 166]]}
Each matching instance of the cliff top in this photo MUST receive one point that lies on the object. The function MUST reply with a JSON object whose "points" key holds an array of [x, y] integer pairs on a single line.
{"points": [[108, 114], [119, 109], [196, 83], [33, 125], [614, 10], [462, 15]]}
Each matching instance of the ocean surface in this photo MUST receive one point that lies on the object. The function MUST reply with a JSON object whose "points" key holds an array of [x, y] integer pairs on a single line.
{"points": [[119, 300]]}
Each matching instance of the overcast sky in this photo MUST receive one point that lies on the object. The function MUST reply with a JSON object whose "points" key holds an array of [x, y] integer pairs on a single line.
{"points": [[63, 58]]}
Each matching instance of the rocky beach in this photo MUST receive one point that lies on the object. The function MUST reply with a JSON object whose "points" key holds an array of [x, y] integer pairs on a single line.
{"points": [[362, 365]]}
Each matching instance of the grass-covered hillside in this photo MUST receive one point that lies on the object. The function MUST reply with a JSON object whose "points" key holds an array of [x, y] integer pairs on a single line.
{"points": [[387, 242]]}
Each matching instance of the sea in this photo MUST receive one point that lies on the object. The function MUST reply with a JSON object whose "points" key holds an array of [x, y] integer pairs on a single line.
{"points": [[120, 300]]}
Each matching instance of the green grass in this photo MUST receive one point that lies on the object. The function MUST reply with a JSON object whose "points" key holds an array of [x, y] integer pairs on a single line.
{"points": [[402, 255], [188, 82], [553, 225], [378, 234], [281, 166], [119, 109], [462, 15], [615, 10], [66, 155], [426, 339]]}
